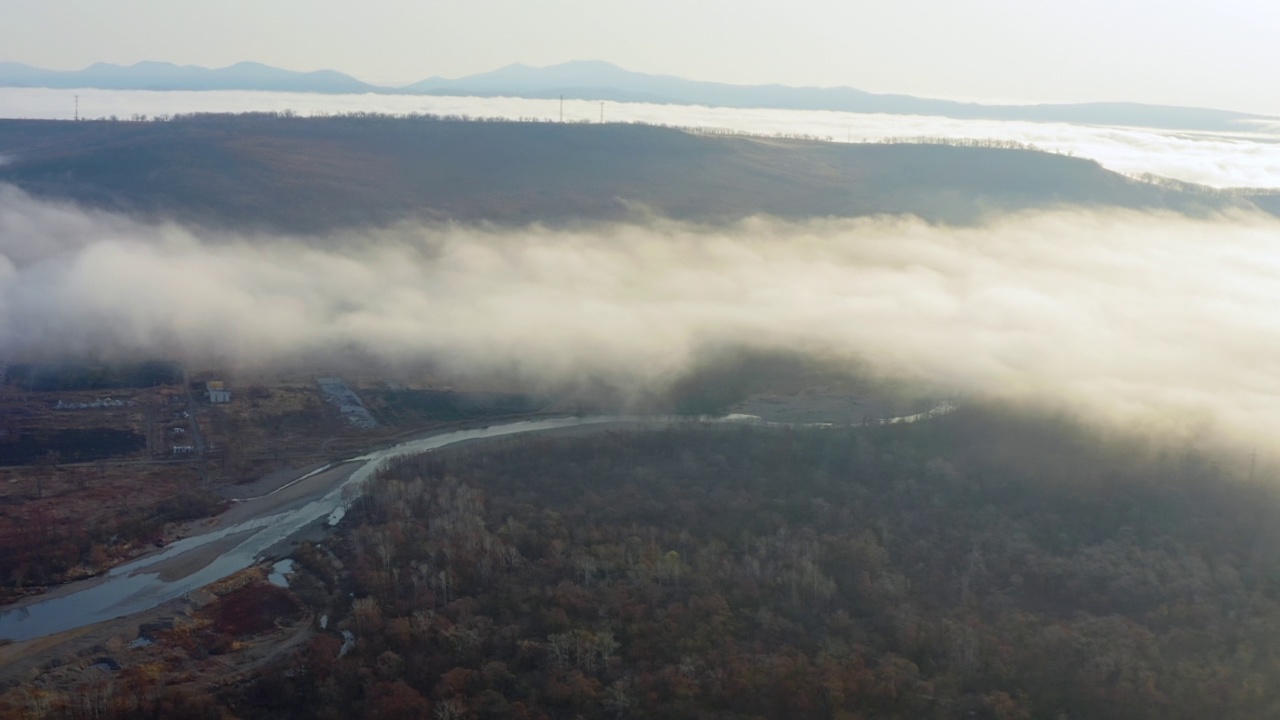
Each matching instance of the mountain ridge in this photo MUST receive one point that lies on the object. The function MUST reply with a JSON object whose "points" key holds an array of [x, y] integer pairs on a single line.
{"points": [[318, 175], [155, 75], [600, 80]]}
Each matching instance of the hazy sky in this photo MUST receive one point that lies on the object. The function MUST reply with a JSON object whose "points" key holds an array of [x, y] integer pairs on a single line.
{"points": [[1191, 52]]}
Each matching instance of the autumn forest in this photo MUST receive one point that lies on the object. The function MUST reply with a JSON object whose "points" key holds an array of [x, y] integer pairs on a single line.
{"points": [[988, 564]]}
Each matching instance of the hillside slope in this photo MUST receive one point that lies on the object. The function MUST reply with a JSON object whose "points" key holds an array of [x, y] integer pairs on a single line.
{"points": [[316, 174]]}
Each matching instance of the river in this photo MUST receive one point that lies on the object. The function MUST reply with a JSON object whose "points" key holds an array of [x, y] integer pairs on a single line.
{"points": [[244, 534], [260, 524]]}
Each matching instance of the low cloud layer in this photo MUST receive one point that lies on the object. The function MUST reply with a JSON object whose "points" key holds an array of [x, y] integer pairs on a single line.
{"points": [[1245, 159], [1141, 317]]}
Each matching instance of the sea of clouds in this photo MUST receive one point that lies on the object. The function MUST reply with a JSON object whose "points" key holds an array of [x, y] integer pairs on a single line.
{"points": [[1152, 319], [1243, 159]]}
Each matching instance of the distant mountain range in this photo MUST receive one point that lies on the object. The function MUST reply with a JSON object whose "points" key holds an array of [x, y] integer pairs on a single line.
{"points": [[595, 80], [167, 76]]}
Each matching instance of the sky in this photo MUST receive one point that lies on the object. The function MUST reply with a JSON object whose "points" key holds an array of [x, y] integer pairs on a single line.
{"points": [[1181, 52]]}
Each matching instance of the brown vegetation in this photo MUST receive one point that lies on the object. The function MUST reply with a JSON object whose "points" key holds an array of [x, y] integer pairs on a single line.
{"points": [[317, 174], [88, 519], [251, 609], [987, 564], [981, 565], [167, 666], [62, 521]]}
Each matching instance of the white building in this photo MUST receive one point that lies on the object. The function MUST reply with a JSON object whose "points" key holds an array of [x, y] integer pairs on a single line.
{"points": [[217, 393]]}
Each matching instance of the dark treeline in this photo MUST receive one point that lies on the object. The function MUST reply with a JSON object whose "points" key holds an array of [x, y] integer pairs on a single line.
{"points": [[64, 376], [75, 445], [1205, 190], [213, 118], [983, 565]]}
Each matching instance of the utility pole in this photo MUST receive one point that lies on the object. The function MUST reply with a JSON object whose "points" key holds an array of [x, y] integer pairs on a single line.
{"points": [[561, 108], [601, 113], [77, 108]]}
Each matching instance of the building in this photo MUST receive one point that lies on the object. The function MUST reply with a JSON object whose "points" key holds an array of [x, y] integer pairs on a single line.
{"points": [[217, 393]]}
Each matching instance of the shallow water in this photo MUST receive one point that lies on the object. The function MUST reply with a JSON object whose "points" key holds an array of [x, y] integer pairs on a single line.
{"points": [[130, 588], [280, 573]]}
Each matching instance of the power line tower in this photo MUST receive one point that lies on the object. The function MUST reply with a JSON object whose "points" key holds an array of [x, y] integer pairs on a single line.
{"points": [[77, 108]]}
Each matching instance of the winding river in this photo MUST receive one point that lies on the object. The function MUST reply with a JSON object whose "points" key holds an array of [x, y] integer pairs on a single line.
{"points": [[245, 534]]}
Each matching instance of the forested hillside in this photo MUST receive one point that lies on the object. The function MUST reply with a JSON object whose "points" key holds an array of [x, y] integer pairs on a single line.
{"points": [[987, 564], [285, 173]]}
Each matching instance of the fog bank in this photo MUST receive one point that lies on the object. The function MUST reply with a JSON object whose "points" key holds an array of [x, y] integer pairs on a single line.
{"points": [[1146, 318]]}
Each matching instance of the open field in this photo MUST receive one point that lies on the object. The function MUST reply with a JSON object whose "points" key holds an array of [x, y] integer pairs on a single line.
{"points": [[95, 476], [87, 477]]}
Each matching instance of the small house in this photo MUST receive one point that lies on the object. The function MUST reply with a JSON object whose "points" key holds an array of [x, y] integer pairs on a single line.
{"points": [[217, 392]]}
